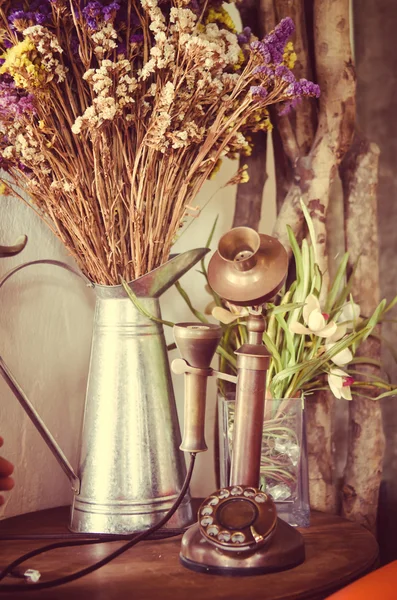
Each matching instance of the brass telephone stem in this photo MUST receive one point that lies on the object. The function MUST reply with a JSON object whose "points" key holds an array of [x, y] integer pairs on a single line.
{"points": [[256, 327], [252, 363]]}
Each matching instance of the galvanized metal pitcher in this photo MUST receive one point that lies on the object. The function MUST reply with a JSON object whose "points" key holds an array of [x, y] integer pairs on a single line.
{"points": [[130, 469]]}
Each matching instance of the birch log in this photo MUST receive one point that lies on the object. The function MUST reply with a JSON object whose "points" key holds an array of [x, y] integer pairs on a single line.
{"points": [[319, 447], [335, 75], [316, 172], [366, 443]]}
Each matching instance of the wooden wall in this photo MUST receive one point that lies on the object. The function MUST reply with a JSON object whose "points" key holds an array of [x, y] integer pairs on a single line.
{"points": [[375, 25]]}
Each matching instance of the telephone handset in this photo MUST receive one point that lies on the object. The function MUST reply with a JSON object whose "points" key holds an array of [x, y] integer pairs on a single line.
{"points": [[238, 532]]}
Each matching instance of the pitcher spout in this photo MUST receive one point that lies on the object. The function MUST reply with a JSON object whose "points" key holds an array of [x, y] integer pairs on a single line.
{"points": [[158, 281]]}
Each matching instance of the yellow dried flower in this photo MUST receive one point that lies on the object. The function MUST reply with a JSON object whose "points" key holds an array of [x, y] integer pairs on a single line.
{"points": [[241, 176], [265, 122], [244, 174], [216, 169], [259, 121], [289, 57], [240, 62], [221, 15], [22, 63]]}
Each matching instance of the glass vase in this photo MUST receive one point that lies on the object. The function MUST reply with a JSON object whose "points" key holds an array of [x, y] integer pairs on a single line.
{"points": [[284, 471]]}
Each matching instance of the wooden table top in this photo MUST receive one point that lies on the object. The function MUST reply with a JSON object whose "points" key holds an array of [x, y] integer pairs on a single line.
{"points": [[337, 552]]}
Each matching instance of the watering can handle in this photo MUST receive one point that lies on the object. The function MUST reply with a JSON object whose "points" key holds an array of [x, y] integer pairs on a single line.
{"points": [[45, 261], [21, 396]]}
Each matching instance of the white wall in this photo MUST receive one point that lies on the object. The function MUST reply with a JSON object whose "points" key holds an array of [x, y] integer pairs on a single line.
{"points": [[45, 334]]}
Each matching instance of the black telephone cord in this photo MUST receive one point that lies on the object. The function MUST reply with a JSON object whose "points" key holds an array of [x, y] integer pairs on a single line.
{"points": [[134, 539]]}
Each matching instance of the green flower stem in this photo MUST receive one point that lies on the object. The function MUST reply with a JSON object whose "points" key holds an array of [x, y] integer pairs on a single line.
{"points": [[139, 306], [226, 356], [186, 298]]}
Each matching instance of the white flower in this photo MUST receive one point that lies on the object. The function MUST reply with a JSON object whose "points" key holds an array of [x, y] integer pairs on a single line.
{"points": [[228, 316], [340, 382], [346, 318], [344, 356], [315, 320], [341, 358], [349, 314]]}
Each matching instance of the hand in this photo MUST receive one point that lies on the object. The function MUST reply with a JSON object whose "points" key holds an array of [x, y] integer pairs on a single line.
{"points": [[6, 469]]}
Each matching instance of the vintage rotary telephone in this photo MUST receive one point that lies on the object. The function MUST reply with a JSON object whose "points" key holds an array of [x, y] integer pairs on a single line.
{"points": [[238, 532]]}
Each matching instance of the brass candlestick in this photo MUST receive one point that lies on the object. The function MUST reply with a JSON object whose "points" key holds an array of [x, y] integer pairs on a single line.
{"points": [[238, 532]]}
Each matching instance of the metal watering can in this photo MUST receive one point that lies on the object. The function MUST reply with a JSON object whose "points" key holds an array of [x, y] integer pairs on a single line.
{"points": [[130, 469]]}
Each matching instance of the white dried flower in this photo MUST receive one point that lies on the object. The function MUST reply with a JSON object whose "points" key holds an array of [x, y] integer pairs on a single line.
{"points": [[77, 125], [184, 19], [47, 44], [147, 69], [104, 40], [8, 152]]}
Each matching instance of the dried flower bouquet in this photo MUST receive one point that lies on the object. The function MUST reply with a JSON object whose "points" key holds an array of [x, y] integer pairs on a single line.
{"points": [[113, 115]]}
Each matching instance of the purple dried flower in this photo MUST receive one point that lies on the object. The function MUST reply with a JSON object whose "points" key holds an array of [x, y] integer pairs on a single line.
{"points": [[259, 91], [298, 90], [288, 106], [6, 82], [265, 71], [285, 74], [92, 23], [309, 88], [262, 48], [245, 36], [26, 105], [109, 12], [74, 46], [95, 12], [122, 49], [40, 18], [93, 9], [18, 15], [14, 101], [38, 14], [273, 45], [24, 168], [136, 38], [302, 88], [91, 13], [194, 6]]}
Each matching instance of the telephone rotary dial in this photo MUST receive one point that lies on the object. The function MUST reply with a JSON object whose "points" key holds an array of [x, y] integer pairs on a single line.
{"points": [[238, 518]]}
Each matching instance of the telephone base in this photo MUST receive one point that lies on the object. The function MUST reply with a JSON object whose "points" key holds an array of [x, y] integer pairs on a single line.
{"points": [[284, 550]]}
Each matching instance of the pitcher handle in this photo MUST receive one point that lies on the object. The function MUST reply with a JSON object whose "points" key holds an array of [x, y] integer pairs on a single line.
{"points": [[45, 261], [20, 394]]}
